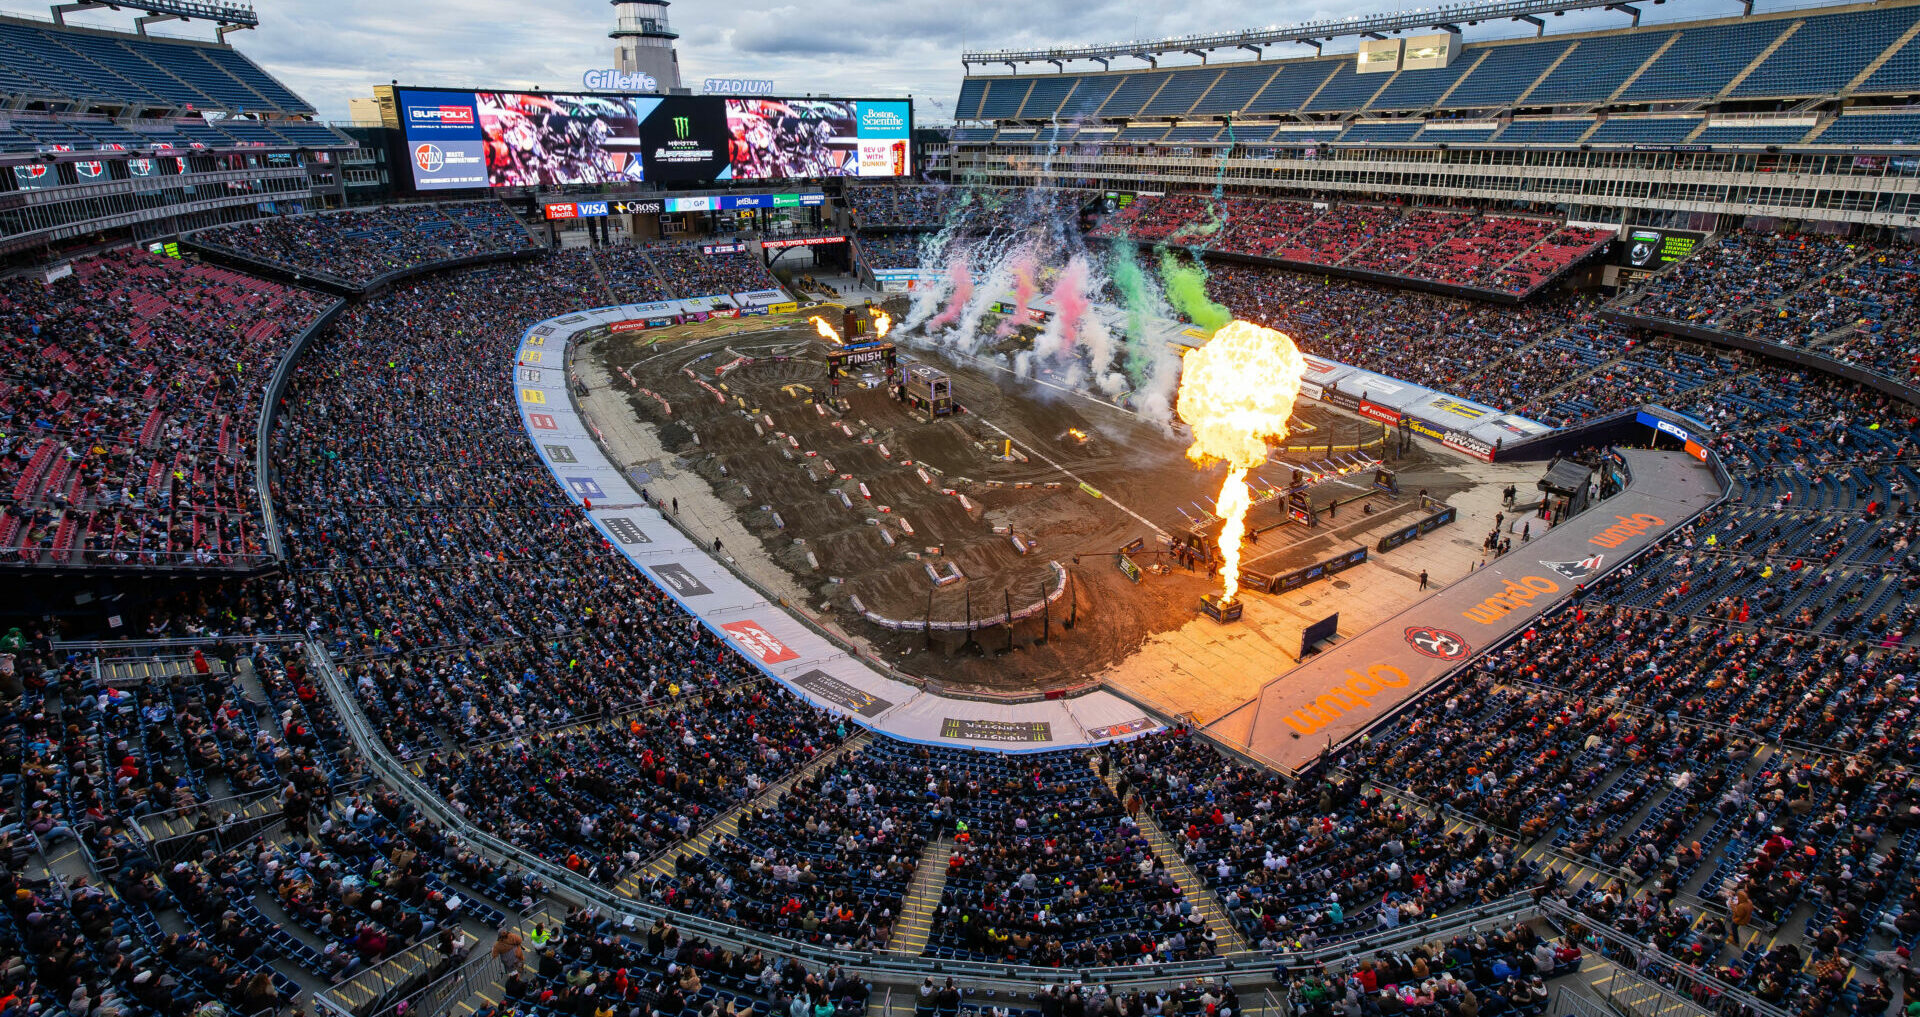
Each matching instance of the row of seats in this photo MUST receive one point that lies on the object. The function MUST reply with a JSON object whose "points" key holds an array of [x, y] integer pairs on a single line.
{"points": [[1816, 54]]}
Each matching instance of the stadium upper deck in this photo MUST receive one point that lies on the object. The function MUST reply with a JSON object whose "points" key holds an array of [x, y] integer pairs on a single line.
{"points": [[1761, 115], [68, 69], [1797, 63]]}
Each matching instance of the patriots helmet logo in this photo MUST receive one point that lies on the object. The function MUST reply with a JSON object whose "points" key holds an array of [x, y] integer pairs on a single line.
{"points": [[1576, 570]]}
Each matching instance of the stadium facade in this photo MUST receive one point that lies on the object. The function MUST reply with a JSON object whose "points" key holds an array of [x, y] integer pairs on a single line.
{"points": [[1798, 115]]}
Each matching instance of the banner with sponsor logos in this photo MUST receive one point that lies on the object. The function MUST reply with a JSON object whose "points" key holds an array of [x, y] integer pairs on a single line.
{"points": [[461, 139], [1348, 686]]}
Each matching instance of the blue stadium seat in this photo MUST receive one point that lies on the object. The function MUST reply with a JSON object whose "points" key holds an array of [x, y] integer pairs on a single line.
{"points": [[1347, 89], [1005, 97], [1294, 84], [1505, 72], [1235, 88], [1901, 72], [1182, 90], [1643, 130], [1596, 67], [1545, 132], [1826, 53], [1047, 95], [1758, 132], [1418, 89], [1870, 128], [1132, 95], [1087, 99], [1398, 130], [967, 107], [1704, 60]]}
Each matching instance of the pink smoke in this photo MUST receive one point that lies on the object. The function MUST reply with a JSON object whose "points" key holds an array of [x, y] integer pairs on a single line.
{"points": [[1023, 289], [1070, 305], [962, 279]]}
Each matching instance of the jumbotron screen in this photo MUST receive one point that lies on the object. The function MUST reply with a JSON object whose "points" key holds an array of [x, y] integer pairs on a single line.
{"points": [[548, 139]]}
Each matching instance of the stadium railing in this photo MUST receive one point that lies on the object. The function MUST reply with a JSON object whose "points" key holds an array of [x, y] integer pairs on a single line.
{"points": [[269, 412], [1797, 355]]}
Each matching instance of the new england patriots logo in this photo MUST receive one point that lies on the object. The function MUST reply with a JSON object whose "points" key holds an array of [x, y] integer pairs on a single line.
{"points": [[1576, 570]]}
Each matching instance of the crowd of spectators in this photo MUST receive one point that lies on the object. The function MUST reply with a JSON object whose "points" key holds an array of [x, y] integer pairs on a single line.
{"points": [[1850, 299], [1499, 253], [1731, 715], [888, 250], [128, 413], [687, 271], [357, 246]]}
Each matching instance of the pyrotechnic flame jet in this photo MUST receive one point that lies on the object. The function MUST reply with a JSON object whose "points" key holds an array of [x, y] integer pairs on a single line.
{"points": [[1237, 393], [882, 323], [826, 331]]}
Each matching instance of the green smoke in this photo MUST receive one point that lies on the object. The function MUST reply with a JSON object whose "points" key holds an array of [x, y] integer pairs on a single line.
{"points": [[1186, 289], [1136, 293]]}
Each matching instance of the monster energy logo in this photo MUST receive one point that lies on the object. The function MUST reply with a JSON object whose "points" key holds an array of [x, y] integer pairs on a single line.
{"points": [[680, 127]]}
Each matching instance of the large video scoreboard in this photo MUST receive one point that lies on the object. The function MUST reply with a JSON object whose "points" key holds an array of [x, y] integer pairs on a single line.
{"points": [[460, 139]]}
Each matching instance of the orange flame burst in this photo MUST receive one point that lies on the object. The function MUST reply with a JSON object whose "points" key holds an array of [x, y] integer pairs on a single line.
{"points": [[1237, 392], [826, 331], [882, 323]]}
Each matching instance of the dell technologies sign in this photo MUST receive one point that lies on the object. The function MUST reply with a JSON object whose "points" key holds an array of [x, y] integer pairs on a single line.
{"points": [[610, 80]]}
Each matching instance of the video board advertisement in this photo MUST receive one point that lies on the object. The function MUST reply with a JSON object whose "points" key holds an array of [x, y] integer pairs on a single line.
{"points": [[546, 139]]}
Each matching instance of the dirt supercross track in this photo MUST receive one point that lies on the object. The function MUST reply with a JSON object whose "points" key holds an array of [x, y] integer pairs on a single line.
{"points": [[1024, 491]]}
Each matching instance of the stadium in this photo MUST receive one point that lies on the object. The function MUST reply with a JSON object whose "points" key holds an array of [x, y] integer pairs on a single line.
{"points": [[1398, 516]]}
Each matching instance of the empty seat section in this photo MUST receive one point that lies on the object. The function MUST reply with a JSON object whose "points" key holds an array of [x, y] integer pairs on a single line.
{"points": [[1418, 89], [1704, 60], [1133, 94], [1347, 89], [1045, 99], [1397, 131], [1191, 134], [1545, 132], [1295, 83], [130, 64], [967, 107], [1644, 130], [1753, 134], [1868, 128], [1093, 92], [1504, 73], [1005, 97], [1183, 89], [1596, 67], [1238, 85], [249, 73], [1901, 72], [1826, 53]]}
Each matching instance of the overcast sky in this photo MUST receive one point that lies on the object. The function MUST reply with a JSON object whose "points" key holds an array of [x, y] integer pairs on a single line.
{"points": [[332, 50]]}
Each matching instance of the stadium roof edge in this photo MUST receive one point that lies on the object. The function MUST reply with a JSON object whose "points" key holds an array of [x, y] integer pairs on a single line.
{"points": [[1445, 18]]}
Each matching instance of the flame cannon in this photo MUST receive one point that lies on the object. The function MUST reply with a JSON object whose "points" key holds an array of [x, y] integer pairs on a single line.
{"points": [[1237, 393]]}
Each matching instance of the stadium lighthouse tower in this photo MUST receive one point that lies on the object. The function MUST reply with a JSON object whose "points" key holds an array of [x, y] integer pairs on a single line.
{"points": [[643, 42]]}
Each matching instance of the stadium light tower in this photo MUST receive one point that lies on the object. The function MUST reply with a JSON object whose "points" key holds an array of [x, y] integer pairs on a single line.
{"points": [[643, 41]]}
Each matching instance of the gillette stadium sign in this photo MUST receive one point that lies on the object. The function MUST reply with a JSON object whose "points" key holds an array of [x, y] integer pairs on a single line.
{"points": [[610, 80]]}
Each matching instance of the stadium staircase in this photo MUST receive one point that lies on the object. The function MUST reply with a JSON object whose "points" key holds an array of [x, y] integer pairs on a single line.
{"points": [[729, 822], [601, 278], [914, 924], [1630, 995], [1193, 888], [234, 817]]}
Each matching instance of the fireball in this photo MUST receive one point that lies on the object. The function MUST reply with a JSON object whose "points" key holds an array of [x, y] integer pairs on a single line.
{"points": [[826, 331], [882, 323], [1237, 393]]}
